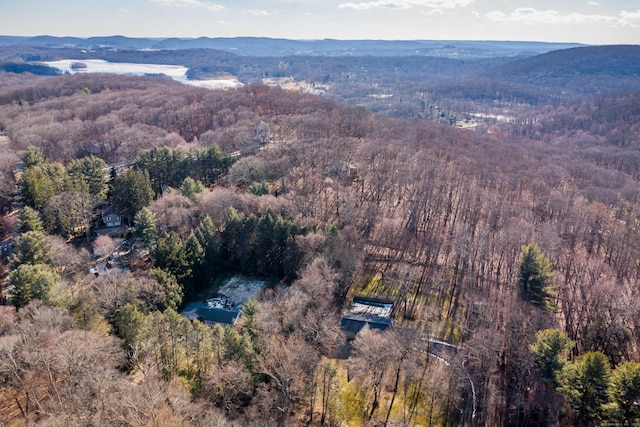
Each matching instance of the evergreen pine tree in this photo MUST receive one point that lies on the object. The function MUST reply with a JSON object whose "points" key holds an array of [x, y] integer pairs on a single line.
{"points": [[534, 276], [584, 383], [145, 225], [30, 282], [30, 220]]}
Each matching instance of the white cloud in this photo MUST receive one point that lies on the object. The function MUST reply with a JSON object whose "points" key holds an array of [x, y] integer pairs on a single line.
{"points": [[593, 3], [375, 5], [529, 15], [189, 3], [406, 4], [631, 16], [496, 15], [258, 12], [178, 2], [435, 12]]}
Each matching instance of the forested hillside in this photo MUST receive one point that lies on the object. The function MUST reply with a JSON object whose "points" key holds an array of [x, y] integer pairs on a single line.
{"points": [[511, 258]]}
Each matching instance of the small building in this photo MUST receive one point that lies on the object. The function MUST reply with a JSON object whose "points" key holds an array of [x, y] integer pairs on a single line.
{"points": [[225, 307], [353, 171], [373, 312], [110, 218], [352, 323], [215, 310]]}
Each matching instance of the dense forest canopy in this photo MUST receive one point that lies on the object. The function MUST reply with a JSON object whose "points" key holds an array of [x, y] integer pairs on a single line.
{"points": [[509, 252]]}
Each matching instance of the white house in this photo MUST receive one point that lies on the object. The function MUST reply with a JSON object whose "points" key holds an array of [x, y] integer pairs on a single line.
{"points": [[111, 218]]}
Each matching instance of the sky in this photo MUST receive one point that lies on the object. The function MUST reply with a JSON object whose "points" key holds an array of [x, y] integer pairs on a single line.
{"points": [[582, 21]]}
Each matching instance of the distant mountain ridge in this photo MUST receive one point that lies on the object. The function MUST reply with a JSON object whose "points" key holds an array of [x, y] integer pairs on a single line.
{"points": [[587, 70], [262, 46], [615, 60]]}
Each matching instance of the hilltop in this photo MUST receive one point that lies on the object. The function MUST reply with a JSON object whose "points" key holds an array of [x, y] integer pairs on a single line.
{"points": [[582, 70]]}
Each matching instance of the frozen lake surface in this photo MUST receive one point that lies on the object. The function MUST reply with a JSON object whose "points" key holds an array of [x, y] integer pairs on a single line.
{"points": [[176, 72]]}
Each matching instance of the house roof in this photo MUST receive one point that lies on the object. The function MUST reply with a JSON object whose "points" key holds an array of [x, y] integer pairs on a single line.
{"points": [[200, 311], [380, 307], [109, 210], [352, 323], [372, 312]]}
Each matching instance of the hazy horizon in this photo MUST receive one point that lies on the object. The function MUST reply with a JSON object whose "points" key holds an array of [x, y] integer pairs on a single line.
{"points": [[299, 39], [574, 21]]}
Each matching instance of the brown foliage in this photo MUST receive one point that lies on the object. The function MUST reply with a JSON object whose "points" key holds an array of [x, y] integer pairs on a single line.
{"points": [[438, 213]]}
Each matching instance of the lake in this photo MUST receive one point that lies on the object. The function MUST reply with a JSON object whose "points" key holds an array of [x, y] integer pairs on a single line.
{"points": [[176, 72]]}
